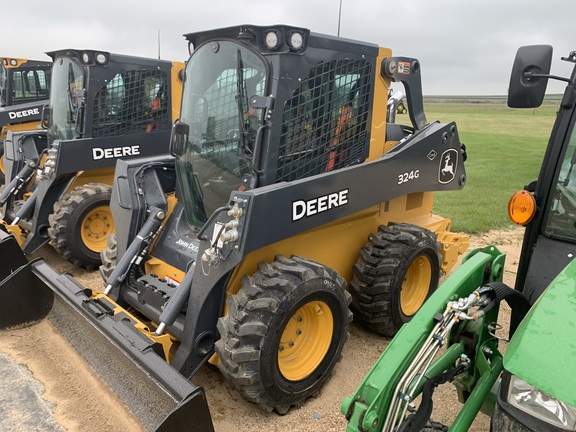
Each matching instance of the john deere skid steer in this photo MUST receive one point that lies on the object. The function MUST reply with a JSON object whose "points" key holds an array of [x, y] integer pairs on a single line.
{"points": [[102, 107], [454, 337], [286, 185], [24, 90]]}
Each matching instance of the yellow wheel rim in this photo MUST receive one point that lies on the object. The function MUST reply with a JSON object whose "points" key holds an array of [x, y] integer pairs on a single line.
{"points": [[96, 226], [2, 165], [416, 285], [305, 340]]}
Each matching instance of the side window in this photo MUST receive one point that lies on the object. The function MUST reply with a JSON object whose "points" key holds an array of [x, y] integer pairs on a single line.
{"points": [[132, 102], [29, 85], [324, 125], [562, 213]]}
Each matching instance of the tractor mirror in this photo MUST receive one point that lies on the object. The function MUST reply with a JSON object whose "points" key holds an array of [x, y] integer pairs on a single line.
{"points": [[178, 138], [529, 77]]}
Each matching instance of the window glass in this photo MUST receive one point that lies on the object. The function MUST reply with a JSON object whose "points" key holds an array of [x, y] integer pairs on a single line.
{"points": [[29, 85], [221, 77], [561, 219], [324, 124], [134, 101]]}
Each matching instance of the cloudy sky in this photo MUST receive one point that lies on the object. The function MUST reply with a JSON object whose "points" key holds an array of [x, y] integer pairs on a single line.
{"points": [[465, 47]]}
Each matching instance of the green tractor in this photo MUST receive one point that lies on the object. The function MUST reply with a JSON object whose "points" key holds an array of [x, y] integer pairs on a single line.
{"points": [[453, 337]]}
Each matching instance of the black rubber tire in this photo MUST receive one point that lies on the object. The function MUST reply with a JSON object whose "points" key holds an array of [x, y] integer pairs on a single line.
{"points": [[251, 333], [66, 223], [108, 257], [380, 272]]}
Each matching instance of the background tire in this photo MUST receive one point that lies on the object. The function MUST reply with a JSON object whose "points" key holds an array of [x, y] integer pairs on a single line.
{"points": [[108, 257], [80, 224], [284, 332], [397, 271]]}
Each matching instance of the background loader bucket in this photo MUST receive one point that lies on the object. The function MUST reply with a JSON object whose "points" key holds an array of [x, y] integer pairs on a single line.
{"points": [[24, 298]]}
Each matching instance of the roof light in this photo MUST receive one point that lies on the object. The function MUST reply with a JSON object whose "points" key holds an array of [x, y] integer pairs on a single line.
{"points": [[101, 58], [271, 39], [13, 62], [296, 40], [521, 207], [85, 58]]}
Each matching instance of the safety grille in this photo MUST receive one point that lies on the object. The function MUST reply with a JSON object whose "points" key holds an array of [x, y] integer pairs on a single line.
{"points": [[134, 101], [324, 125]]}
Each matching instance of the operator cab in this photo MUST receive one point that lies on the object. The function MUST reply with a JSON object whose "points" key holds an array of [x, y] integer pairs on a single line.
{"points": [[258, 112], [552, 227]]}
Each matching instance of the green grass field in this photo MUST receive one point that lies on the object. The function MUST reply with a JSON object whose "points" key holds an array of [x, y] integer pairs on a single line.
{"points": [[505, 149]]}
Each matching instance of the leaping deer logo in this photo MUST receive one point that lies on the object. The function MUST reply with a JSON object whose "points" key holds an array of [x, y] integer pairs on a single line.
{"points": [[447, 168]]}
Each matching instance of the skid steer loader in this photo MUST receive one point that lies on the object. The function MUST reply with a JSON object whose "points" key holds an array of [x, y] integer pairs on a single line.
{"points": [[102, 107], [453, 337], [286, 184], [24, 90]]}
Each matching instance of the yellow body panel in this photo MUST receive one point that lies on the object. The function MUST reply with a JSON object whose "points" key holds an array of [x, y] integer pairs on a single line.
{"points": [[12, 63], [176, 76], [102, 175], [19, 127]]}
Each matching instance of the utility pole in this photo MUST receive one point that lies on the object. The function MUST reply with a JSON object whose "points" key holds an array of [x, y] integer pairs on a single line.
{"points": [[158, 44], [339, 17]]}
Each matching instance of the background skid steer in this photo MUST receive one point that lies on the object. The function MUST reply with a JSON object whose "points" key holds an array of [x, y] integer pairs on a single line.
{"points": [[237, 251], [24, 90], [453, 337], [103, 106]]}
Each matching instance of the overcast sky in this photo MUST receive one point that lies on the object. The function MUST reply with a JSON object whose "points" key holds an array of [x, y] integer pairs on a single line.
{"points": [[465, 47]]}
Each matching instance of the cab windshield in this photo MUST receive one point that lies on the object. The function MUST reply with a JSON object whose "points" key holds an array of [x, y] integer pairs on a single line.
{"points": [[220, 79], [561, 219], [66, 96]]}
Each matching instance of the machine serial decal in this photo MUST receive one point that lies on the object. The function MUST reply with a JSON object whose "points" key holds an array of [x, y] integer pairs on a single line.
{"points": [[23, 113], [301, 208], [115, 152], [448, 165]]}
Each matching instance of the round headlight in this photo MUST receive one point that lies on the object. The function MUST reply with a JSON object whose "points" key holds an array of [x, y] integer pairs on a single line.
{"points": [[296, 40], [85, 58], [271, 39], [13, 62], [100, 58]]}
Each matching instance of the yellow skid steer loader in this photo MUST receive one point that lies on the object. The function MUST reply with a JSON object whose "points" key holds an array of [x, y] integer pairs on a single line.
{"points": [[24, 90], [286, 184], [103, 106]]}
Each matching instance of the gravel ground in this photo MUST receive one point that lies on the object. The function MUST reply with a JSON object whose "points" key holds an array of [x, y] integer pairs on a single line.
{"points": [[41, 376]]}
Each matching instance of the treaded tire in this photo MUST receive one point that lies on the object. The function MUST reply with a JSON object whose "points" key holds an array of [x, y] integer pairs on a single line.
{"points": [[68, 221], [254, 340], [108, 257], [388, 264]]}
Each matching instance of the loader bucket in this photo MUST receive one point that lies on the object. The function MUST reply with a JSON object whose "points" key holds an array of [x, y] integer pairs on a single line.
{"points": [[24, 297], [190, 414]]}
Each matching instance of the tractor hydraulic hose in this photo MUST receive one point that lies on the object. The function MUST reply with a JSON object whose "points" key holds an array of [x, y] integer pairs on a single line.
{"points": [[176, 303], [141, 240], [17, 182], [26, 209], [418, 420]]}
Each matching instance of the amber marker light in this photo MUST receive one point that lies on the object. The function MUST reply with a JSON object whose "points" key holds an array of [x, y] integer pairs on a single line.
{"points": [[521, 207]]}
